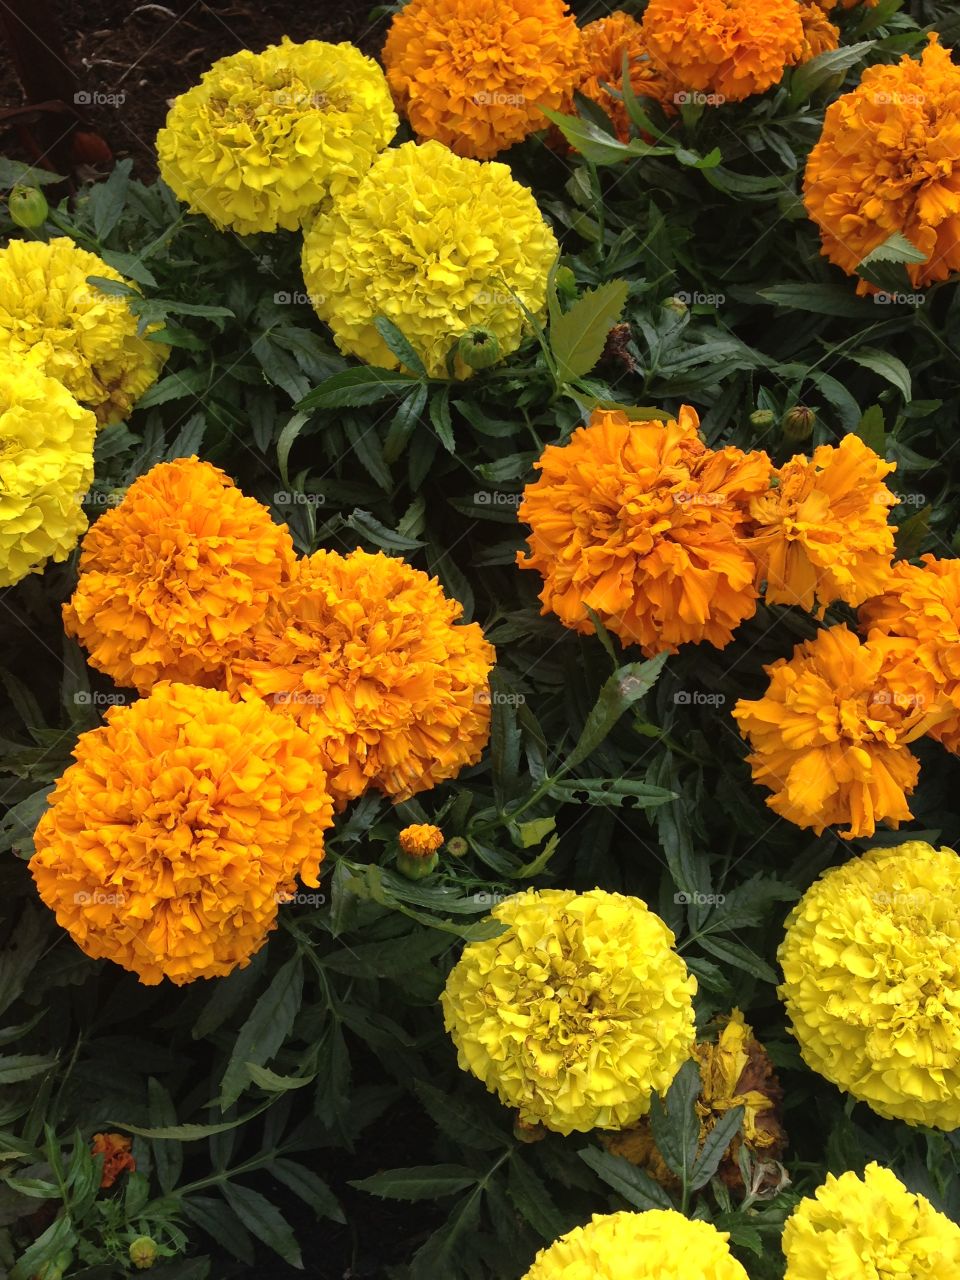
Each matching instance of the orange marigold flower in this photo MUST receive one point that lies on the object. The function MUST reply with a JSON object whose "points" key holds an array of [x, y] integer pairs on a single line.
{"points": [[819, 33], [473, 74], [115, 1149], [364, 652], [184, 821], [172, 577], [820, 533], [830, 735], [421, 839], [919, 613], [605, 42], [888, 162], [733, 48], [642, 523]]}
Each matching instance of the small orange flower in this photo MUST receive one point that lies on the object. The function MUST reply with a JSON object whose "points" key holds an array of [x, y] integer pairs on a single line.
{"points": [[819, 33], [830, 736], [172, 577], [605, 42], [919, 614], [473, 74], [366, 654], [732, 48], [888, 162], [821, 533], [115, 1149], [642, 523], [421, 839]]}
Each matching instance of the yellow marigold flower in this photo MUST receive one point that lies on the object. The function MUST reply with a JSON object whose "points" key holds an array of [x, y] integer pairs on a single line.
{"points": [[830, 736], [735, 1071], [856, 1227], [920, 606], [74, 332], [885, 165], [819, 33], [46, 465], [659, 1244], [871, 969], [437, 244], [605, 42], [577, 1013], [733, 48], [182, 824], [265, 138], [643, 523], [365, 653], [473, 74], [174, 576], [821, 533], [421, 839]]}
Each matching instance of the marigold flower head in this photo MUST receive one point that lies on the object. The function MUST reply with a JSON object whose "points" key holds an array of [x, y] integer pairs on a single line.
{"points": [[820, 533], [172, 577], [184, 821], [920, 606], [605, 42], [421, 839], [473, 74], [830, 735], [577, 1013], [871, 968], [366, 654], [659, 1244], [819, 33], [73, 331], [643, 523], [46, 464], [437, 244], [886, 164], [735, 1071], [856, 1226], [265, 138], [733, 48], [116, 1151]]}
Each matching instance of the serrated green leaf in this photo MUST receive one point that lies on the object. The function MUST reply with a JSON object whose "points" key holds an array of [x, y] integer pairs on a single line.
{"points": [[636, 1187], [424, 1182], [577, 337]]}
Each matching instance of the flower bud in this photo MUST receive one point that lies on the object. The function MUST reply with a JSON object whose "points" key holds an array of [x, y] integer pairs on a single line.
{"points": [[762, 418], [416, 867], [479, 348], [28, 207], [676, 305], [143, 1252], [798, 424], [525, 1132], [456, 846]]}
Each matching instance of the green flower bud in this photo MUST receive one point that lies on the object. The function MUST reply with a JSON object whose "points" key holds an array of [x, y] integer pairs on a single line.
{"points": [[415, 867], [456, 846], [143, 1252], [479, 348], [28, 207], [762, 418], [798, 424]]}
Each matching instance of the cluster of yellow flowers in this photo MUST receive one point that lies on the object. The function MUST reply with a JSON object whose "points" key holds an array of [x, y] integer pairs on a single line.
{"points": [[670, 542], [577, 1013], [346, 672], [70, 359]]}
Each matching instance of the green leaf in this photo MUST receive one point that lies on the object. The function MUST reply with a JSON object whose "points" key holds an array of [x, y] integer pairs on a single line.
{"points": [[809, 77], [636, 1187], [713, 1149], [369, 527], [674, 1121], [912, 534], [441, 418], [463, 1123], [106, 199], [822, 299], [310, 1189], [610, 791], [577, 337], [355, 387], [167, 1156], [896, 248], [263, 1220], [532, 1197], [265, 1030], [425, 1182], [213, 1217], [872, 430], [733, 953], [59, 1237], [596, 145], [400, 346], [274, 1083], [24, 1066], [20, 954], [888, 366], [624, 688]]}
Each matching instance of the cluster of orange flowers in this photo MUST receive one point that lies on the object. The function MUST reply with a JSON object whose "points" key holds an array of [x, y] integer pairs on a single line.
{"points": [[668, 542], [277, 690], [474, 74]]}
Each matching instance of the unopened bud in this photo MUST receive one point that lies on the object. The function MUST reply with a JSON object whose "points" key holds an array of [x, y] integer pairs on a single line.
{"points": [[762, 419], [798, 424], [28, 207], [143, 1252], [479, 348], [456, 846]]}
